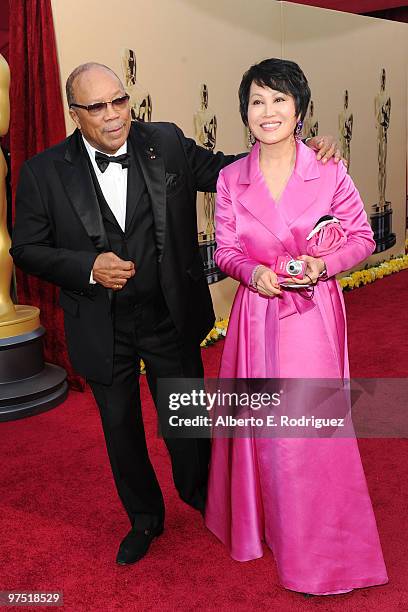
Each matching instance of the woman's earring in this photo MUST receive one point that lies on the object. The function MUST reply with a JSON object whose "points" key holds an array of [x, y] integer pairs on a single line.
{"points": [[251, 139], [298, 129]]}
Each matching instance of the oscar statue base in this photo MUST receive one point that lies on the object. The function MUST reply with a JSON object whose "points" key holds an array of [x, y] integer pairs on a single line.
{"points": [[207, 246], [25, 319], [28, 386], [381, 223]]}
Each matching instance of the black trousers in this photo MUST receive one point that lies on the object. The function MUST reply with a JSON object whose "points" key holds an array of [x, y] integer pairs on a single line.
{"points": [[147, 332]]}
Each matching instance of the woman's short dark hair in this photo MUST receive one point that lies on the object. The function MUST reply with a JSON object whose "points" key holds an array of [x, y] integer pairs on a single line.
{"points": [[282, 75]]}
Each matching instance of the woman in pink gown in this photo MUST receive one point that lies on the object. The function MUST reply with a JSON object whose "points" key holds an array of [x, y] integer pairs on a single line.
{"points": [[306, 498]]}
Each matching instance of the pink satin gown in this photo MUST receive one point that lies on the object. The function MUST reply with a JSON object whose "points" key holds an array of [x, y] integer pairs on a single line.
{"points": [[306, 498]]}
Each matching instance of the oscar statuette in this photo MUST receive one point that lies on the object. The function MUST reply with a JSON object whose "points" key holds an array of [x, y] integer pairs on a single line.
{"points": [[27, 385], [381, 219], [205, 126], [141, 106]]}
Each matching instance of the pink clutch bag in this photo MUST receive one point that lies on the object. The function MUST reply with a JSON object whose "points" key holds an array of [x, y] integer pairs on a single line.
{"points": [[326, 237]]}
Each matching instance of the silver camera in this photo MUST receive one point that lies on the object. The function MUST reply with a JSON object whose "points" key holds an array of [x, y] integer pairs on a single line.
{"points": [[291, 267]]}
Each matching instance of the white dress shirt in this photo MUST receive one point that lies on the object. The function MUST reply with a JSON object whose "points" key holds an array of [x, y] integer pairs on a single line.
{"points": [[113, 183]]}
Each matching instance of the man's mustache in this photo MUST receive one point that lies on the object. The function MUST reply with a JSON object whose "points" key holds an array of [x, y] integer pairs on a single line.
{"points": [[113, 128]]}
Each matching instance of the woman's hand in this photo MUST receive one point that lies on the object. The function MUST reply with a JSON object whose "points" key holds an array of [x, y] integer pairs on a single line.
{"points": [[266, 282], [315, 266]]}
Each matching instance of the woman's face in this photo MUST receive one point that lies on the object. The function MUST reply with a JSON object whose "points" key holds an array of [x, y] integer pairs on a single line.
{"points": [[271, 114]]}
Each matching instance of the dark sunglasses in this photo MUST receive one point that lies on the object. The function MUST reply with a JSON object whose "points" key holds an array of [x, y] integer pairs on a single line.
{"points": [[98, 107]]}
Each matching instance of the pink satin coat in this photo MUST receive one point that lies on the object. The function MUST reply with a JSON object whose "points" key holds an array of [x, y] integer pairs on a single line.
{"points": [[306, 498]]}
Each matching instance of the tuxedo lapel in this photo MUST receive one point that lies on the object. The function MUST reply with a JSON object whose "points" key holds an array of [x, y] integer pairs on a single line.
{"points": [[135, 185], [77, 181], [146, 146]]}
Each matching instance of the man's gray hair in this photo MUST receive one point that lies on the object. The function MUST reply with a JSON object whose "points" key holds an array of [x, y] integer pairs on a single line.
{"points": [[69, 87]]}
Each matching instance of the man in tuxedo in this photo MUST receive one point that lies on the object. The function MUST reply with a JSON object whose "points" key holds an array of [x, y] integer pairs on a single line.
{"points": [[109, 215]]}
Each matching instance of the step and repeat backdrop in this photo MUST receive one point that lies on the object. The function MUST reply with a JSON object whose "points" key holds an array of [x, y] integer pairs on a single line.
{"points": [[182, 61]]}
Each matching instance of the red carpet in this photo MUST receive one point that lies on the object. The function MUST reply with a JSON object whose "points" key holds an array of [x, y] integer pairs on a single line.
{"points": [[61, 522]]}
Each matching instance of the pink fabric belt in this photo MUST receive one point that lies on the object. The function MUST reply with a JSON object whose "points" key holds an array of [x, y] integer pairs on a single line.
{"points": [[293, 301]]}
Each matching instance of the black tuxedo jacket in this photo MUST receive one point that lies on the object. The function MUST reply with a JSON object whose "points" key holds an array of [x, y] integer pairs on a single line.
{"points": [[59, 232]]}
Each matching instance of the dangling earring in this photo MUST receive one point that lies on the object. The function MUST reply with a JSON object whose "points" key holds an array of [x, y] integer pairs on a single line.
{"points": [[251, 139], [298, 129]]}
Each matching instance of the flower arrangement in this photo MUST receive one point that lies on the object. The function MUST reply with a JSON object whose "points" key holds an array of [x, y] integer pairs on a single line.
{"points": [[368, 275], [218, 331]]}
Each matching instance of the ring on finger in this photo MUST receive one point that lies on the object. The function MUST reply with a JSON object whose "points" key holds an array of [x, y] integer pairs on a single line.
{"points": [[116, 286]]}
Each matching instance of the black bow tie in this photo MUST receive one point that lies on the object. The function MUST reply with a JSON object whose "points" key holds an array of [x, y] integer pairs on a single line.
{"points": [[103, 160]]}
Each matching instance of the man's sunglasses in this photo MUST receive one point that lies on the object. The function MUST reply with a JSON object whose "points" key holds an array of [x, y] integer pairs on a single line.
{"points": [[98, 107]]}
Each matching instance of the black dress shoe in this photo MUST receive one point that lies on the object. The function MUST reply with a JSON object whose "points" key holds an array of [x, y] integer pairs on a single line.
{"points": [[136, 544]]}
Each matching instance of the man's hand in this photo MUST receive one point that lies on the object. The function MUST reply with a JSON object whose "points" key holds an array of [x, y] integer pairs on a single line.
{"points": [[266, 282], [326, 147], [111, 271]]}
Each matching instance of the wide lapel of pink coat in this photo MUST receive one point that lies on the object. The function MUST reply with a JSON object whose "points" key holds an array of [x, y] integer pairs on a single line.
{"points": [[299, 194]]}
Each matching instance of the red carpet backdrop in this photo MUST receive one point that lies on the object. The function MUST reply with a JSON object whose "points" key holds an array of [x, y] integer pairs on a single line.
{"points": [[37, 122], [60, 519]]}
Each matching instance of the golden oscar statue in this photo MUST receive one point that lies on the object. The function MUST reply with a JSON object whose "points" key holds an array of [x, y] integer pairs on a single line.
{"points": [[205, 127], [14, 320], [140, 99], [382, 109], [7, 309], [381, 219], [310, 124], [346, 130], [27, 384]]}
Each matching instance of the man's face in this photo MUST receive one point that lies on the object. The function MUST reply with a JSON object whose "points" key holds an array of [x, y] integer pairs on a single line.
{"points": [[108, 130]]}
